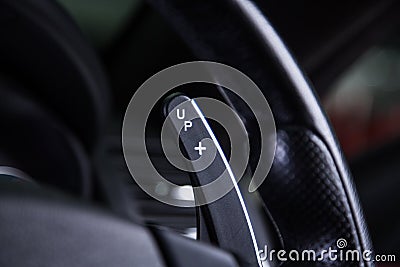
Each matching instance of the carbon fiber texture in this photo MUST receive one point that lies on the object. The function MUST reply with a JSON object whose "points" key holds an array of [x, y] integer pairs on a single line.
{"points": [[306, 198]]}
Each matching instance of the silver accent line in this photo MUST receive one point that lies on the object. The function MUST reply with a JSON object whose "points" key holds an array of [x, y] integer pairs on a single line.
{"points": [[6, 170], [232, 176]]}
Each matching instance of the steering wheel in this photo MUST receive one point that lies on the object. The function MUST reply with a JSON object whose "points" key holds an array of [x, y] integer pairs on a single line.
{"points": [[308, 198]]}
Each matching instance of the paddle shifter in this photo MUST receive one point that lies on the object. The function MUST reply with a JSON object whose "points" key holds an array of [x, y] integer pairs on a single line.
{"points": [[226, 221]]}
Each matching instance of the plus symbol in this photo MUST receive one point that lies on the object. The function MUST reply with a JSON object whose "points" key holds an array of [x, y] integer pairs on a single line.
{"points": [[200, 148]]}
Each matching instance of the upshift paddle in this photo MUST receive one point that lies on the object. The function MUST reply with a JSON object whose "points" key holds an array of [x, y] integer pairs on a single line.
{"points": [[226, 221]]}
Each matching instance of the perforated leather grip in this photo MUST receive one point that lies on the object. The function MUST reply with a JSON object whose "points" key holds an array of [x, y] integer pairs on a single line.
{"points": [[307, 199]]}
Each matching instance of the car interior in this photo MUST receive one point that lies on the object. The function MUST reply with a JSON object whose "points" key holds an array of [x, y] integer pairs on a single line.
{"points": [[69, 72]]}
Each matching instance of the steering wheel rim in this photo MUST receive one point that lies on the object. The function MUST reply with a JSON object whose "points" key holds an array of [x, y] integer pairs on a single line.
{"points": [[250, 44]]}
